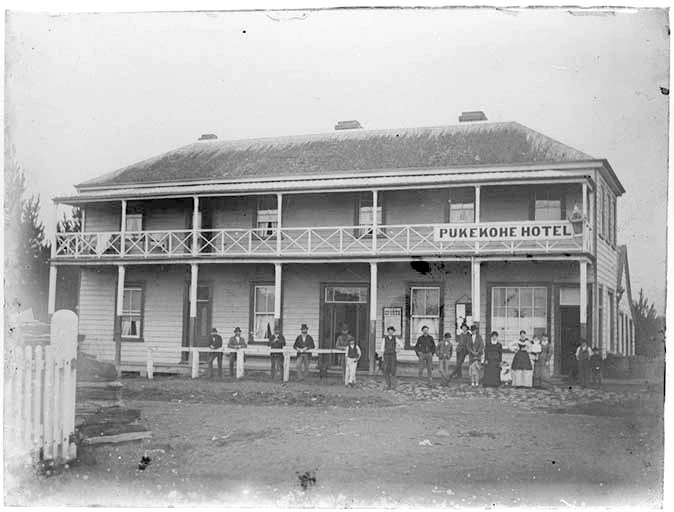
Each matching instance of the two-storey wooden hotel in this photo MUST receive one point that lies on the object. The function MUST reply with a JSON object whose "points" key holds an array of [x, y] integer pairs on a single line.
{"points": [[492, 223]]}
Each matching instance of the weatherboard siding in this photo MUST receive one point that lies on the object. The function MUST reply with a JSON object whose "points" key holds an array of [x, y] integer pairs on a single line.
{"points": [[97, 312], [99, 218]]}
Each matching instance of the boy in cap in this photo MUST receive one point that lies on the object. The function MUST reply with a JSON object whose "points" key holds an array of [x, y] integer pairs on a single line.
{"points": [[353, 354], [214, 343], [595, 363], [445, 350], [236, 342], [303, 343], [276, 342]]}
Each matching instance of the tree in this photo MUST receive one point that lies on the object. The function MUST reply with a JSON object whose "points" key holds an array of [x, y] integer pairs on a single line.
{"points": [[26, 250], [70, 223], [645, 325]]}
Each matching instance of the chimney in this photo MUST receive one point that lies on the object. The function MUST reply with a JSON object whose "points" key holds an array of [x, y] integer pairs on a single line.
{"points": [[473, 115], [347, 125], [208, 136]]}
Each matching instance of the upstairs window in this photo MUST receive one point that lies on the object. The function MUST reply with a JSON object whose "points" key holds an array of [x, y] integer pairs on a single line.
{"points": [[134, 222], [267, 216], [461, 206], [600, 210], [548, 205], [365, 213]]}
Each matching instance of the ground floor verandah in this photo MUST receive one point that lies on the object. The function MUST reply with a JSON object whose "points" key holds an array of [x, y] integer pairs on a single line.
{"points": [[166, 308]]}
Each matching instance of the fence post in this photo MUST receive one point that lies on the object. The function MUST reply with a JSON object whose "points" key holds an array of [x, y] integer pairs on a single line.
{"points": [[64, 342], [239, 363], [195, 363], [27, 423], [37, 398], [150, 365], [47, 404], [286, 366]]}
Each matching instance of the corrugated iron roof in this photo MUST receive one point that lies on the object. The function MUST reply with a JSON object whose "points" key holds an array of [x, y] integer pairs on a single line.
{"points": [[344, 151]]}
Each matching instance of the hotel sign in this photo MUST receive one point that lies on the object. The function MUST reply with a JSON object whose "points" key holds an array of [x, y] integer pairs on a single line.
{"points": [[503, 231]]}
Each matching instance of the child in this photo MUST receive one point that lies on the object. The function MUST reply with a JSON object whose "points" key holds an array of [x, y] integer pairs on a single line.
{"points": [[474, 372], [352, 356], [506, 375], [444, 352], [595, 364]]}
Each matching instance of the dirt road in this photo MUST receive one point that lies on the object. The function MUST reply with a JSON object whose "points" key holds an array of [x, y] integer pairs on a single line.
{"points": [[244, 443]]}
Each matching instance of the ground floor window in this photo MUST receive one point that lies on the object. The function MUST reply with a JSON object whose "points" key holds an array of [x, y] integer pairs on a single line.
{"points": [[516, 308], [263, 311], [132, 312], [424, 310]]}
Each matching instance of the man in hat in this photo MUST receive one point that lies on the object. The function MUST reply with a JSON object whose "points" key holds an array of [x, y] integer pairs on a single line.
{"points": [[462, 341], [214, 343], [390, 360], [475, 345], [276, 342], [235, 342], [425, 348], [303, 344]]}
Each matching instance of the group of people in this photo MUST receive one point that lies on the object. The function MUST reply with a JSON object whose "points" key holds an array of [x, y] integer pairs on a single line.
{"points": [[529, 367]]}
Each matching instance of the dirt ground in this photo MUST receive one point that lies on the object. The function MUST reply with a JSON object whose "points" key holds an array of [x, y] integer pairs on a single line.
{"points": [[228, 443]]}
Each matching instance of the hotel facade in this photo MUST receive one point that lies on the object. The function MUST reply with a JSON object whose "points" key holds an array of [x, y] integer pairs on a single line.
{"points": [[488, 223]]}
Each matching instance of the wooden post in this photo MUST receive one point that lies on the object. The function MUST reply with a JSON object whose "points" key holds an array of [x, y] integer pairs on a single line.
{"points": [[196, 225], [194, 354], [122, 230], [64, 341], [286, 366], [475, 294], [149, 365], [37, 398], [583, 299], [192, 323], [279, 219], [121, 274], [477, 204], [375, 200], [239, 363], [584, 225], [373, 315], [51, 304], [277, 295]]}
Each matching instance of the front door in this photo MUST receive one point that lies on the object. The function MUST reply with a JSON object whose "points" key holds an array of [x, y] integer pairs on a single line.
{"points": [[203, 322], [345, 305], [569, 333]]}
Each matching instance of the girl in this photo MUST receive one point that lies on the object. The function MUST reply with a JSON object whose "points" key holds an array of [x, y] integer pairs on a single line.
{"points": [[352, 356], [521, 365]]}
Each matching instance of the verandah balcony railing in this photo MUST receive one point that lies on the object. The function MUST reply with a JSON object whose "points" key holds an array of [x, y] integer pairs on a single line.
{"points": [[391, 240]]}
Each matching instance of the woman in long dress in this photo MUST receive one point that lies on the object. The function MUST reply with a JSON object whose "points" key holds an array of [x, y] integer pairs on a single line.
{"points": [[521, 368], [493, 355]]}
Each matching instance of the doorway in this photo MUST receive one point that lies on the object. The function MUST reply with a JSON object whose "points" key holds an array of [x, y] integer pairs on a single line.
{"points": [[345, 305], [569, 324], [203, 321]]}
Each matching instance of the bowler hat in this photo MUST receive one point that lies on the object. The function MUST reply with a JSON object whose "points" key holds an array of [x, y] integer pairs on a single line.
{"points": [[304, 326], [238, 329]]}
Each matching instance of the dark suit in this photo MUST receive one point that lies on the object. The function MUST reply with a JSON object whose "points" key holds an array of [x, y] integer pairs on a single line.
{"points": [[215, 342]]}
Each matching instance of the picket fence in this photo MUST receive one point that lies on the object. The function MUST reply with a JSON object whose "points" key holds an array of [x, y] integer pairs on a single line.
{"points": [[40, 384]]}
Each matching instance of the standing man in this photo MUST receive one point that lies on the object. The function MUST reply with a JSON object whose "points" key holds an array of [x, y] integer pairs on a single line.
{"points": [[277, 342], [235, 342], [303, 344], [353, 354], [583, 354], [445, 355], [475, 351], [462, 341], [341, 343], [425, 348], [390, 358], [214, 343]]}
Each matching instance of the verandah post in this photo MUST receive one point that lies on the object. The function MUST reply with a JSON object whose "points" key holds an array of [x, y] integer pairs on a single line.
{"points": [[375, 200], [121, 275], [196, 225], [51, 304], [373, 315], [583, 299], [277, 295], [192, 325], [279, 219], [122, 229], [475, 292], [584, 227]]}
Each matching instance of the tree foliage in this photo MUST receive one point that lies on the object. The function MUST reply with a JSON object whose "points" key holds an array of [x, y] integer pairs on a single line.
{"points": [[646, 326], [26, 249]]}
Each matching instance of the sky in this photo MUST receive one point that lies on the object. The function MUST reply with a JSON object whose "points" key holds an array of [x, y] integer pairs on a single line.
{"points": [[89, 93]]}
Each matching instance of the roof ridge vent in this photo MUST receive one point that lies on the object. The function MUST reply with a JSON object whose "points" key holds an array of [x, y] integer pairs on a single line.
{"points": [[348, 125]]}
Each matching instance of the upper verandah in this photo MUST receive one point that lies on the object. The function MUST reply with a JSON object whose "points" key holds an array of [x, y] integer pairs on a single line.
{"points": [[383, 157]]}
